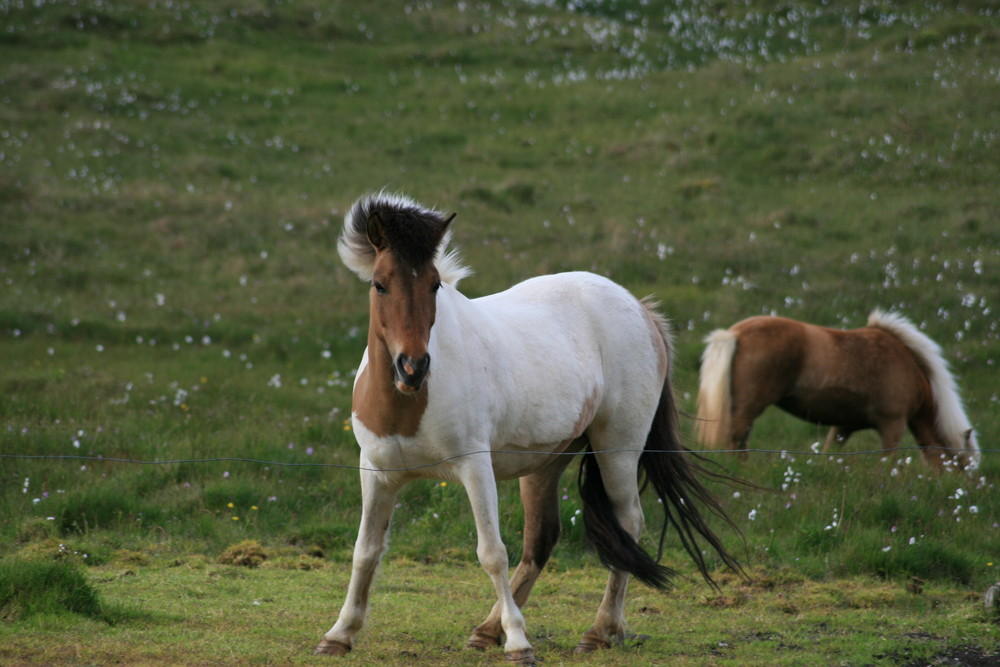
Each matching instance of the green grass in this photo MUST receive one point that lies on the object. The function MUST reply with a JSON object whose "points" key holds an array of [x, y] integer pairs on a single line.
{"points": [[35, 588], [421, 613], [179, 336]]}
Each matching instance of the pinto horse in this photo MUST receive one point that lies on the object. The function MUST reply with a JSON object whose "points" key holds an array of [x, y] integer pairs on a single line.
{"points": [[886, 375], [507, 386]]}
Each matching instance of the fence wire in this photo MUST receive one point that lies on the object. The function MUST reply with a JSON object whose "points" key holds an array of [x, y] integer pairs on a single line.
{"points": [[348, 466]]}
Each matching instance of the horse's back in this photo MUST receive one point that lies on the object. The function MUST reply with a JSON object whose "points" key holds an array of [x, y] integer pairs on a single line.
{"points": [[562, 350], [784, 344], [572, 289], [774, 347], [587, 308]]}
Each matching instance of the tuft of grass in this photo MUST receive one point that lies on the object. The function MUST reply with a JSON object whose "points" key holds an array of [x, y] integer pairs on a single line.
{"points": [[248, 553], [925, 560], [29, 588]]}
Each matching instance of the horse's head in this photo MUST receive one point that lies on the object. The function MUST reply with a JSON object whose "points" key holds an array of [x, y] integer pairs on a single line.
{"points": [[403, 306], [397, 245], [970, 457]]}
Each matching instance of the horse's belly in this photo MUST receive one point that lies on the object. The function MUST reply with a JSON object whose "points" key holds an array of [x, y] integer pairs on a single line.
{"points": [[832, 406], [512, 461]]}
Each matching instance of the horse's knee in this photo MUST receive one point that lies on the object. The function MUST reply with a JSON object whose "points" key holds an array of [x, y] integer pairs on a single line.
{"points": [[493, 558]]}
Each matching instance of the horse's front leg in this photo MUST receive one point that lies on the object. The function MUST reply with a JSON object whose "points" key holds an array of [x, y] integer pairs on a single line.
{"points": [[540, 497], [378, 500], [481, 486]]}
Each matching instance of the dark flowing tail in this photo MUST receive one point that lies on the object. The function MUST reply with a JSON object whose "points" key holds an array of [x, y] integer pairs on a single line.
{"points": [[674, 473]]}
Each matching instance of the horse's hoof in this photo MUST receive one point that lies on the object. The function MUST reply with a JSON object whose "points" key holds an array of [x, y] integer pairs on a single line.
{"points": [[525, 656], [588, 646], [590, 643], [482, 642], [335, 648]]}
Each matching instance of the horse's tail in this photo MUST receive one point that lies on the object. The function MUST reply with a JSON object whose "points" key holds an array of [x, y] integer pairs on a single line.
{"points": [[674, 474], [712, 423], [951, 421]]}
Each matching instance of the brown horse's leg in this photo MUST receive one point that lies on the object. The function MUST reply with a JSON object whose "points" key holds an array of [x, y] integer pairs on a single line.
{"points": [[749, 400], [742, 424], [838, 435], [540, 496], [935, 453], [891, 433]]}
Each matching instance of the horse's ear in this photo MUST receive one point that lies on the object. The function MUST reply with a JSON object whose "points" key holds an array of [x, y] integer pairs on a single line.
{"points": [[375, 232], [447, 221]]}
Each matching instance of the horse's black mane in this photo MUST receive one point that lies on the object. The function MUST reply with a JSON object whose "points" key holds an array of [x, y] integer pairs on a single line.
{"points": [[410, 232]]}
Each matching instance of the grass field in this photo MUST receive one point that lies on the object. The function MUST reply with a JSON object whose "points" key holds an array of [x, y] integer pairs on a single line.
{"points": [[179, 337]]}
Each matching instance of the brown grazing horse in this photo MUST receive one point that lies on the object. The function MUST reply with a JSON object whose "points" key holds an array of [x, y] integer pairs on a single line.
{"points": [[886, 375]]}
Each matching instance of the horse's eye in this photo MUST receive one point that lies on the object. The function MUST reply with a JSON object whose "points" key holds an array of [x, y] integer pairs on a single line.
{"points": [[436, 287], [379, 287]]}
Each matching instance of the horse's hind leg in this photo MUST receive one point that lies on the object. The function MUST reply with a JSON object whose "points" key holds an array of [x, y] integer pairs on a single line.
{"points": [[609, 626], [838, 435], [540, 497], [618, 471], [739, 435], [749, 401]]}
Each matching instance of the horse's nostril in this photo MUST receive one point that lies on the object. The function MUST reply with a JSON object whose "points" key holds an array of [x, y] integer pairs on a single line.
{"points": [[412, 371]]}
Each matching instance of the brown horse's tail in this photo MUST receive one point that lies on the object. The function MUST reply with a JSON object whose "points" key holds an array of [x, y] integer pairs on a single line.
{"points": [[712, 423], [675, 474]]}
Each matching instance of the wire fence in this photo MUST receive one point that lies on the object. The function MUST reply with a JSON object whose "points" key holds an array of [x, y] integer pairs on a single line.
{"points": [[347, 466]]}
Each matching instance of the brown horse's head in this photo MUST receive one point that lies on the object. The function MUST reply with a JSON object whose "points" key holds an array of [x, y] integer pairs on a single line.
{"points": [[395, 242]]}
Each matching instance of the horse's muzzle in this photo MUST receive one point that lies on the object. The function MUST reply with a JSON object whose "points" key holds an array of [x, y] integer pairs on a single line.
{"points": [[411, 373]]}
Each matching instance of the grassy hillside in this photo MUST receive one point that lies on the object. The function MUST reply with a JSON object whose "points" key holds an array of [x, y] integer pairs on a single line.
{"points": [[172, 180]]}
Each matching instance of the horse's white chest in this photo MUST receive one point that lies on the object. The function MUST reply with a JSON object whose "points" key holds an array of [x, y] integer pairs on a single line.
{"points": [[397, 454]]}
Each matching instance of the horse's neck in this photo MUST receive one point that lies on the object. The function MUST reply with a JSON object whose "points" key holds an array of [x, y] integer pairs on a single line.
{"points": [[377, 404], [462, 326]]}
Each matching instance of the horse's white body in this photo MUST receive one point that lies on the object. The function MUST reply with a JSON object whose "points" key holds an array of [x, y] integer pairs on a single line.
{"points": [[511, 386], [523, 373], [526, 371]]}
